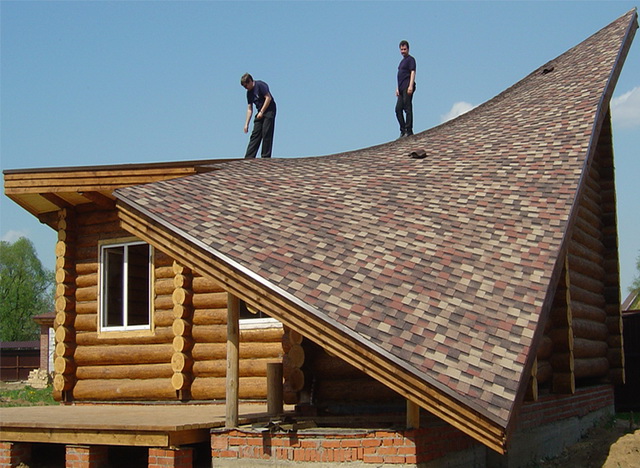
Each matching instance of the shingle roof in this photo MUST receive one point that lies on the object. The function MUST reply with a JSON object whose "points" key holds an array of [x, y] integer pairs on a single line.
{"points": [[443, 264]]}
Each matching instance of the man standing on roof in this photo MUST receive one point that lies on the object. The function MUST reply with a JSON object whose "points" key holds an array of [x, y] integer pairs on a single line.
{"points": [[264, 124], [404, 91]]}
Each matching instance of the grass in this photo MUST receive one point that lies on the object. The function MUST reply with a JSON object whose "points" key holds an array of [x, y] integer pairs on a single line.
{"points": [[27, 396]]}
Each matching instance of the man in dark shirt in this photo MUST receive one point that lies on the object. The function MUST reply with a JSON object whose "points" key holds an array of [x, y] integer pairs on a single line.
{"points": [[264, 124], [405, 90]]}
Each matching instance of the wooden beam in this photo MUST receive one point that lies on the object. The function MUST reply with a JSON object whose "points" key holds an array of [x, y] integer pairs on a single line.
{"points": [[413, 415], [102, 201], [56, 200], [233, 360]]}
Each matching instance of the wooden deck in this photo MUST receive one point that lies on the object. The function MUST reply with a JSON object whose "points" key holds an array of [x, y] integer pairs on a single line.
{"points": [[151, 425]]}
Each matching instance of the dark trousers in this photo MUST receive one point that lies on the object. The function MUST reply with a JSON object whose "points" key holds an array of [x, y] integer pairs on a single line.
{"points": [[404, 105], [262, 133]]}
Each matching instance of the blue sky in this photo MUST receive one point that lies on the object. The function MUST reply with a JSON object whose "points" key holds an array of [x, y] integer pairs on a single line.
{"points": [[93, 83]]}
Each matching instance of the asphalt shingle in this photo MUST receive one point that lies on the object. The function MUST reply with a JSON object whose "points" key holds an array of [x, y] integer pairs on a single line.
{"points": [[443, 262]]}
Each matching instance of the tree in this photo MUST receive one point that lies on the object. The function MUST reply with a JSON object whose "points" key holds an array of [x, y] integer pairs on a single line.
{"points": [[635, 286], [26, 290]]}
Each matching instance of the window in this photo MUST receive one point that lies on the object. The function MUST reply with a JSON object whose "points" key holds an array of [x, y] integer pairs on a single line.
{"points": [[125, 286]]}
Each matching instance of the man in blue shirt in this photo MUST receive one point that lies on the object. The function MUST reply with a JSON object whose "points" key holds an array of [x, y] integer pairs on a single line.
{"points": [[264, 123], [404, 91]]}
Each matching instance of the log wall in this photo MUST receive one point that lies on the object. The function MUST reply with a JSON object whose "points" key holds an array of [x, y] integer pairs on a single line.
{"points": [[314, 377], [182, 357], [583, 337]]}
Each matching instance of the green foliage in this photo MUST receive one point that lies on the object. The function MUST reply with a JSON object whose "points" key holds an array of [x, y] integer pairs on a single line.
{"points": [[635, 286], [27, 396], [26, 289]]}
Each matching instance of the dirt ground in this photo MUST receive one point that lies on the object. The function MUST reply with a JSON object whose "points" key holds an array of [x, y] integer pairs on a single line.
{"points": [[611, 444]]}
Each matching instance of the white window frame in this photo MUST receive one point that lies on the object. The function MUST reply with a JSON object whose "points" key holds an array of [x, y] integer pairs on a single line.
{"points": [[103, 297]]}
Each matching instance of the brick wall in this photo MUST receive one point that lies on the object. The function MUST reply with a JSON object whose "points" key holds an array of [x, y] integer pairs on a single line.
{"points": [[551, 408], [340, 445]]}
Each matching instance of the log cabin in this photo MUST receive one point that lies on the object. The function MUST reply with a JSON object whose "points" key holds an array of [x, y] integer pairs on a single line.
{"points": [[467, 273]]}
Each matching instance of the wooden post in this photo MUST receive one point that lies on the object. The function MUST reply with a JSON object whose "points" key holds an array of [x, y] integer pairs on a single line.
{"points": [[274, 388], [413, 415], [233, 362]]}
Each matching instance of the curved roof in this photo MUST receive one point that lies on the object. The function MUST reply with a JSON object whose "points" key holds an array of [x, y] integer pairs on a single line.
{"points": [[432, 273]]}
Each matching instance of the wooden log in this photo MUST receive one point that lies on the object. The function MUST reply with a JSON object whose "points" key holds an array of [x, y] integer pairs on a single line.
{"points": [[64, 365], [545, 348], [63, 334], [218, 368], [210, 300], [86, 267], [181, 327], [578, 250], [163, 286], [124, 390], [591, 367], [586, 266], [545, 371], [83, 308], [208, 351], [86, 323], [233, 361], [581, 295], [562, 338], [563, 383], [210, 316], [562, 362], [182, 344], [180, 270], [64, 262], [125, 354], [162, 335], [67, 290], [181, 362], [586, 220], [587, 283], [182, 296], [65, 276], [296, 379], [583, 348], [588, 312], [87, 294], [218, 334], [133, 371], [63, 383], [274, 389], [587, 240], [613, 324], [64, 319], [181, 381], [62, 249], [295, 356], [163, 303], [589, 329], [164, 272], [214, 388], [65, 349], [615, 341], [201, 284], [164, 318], [65, 304]]}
